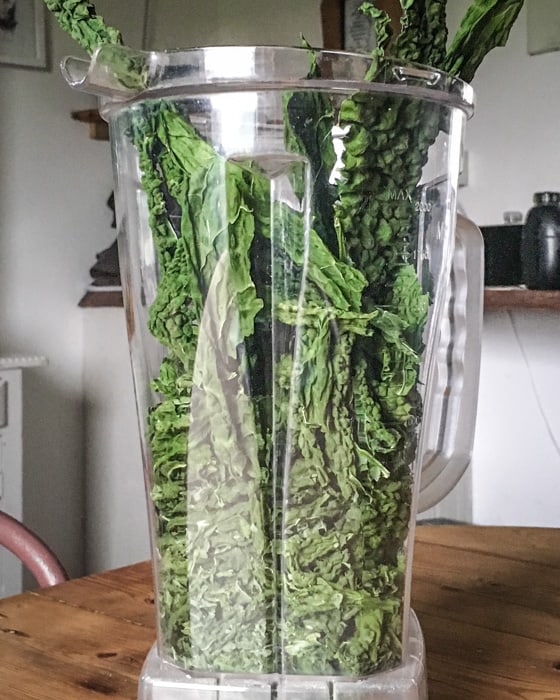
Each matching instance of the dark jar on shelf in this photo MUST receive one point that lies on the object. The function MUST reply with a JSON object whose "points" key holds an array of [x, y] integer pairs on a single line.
{"points": [[540, 243]]}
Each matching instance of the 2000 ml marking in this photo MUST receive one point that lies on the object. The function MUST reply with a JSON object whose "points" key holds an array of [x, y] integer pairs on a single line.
{"points": [[406, 196]]}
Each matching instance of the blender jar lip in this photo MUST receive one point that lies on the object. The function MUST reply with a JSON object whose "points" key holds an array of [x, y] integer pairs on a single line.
{"points": [[184, 73]]}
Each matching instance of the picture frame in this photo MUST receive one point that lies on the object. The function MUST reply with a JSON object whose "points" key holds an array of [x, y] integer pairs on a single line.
{"points": [[22, 33], [345, 28], [543, 26]]}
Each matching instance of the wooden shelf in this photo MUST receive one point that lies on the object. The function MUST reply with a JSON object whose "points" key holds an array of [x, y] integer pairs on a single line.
{"points": [[518, 298], [99, 299], [495, 299], [332, 20], [98, 127]]}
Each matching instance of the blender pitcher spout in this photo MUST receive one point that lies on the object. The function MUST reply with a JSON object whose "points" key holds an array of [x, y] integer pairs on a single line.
{"points": [[115, 72], [75, 72]]}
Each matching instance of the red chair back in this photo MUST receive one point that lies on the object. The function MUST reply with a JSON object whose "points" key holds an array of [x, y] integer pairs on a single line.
{"points": [[32, 551]]}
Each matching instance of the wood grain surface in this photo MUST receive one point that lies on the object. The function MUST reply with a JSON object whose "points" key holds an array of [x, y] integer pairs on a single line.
{"points": [[488, 600], [517, 298]]}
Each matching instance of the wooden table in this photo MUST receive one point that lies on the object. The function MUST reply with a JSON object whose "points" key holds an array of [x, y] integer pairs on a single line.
{"points": [[488, 600]]}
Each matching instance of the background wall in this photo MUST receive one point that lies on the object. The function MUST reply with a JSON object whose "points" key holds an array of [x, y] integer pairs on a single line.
{"points": [[82, 460], [516, 461], [206, 22], [53, 184], [513, 145], [513, 139], [117, 526]]}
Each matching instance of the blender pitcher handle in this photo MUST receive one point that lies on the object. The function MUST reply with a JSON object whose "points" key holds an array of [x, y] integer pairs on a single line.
{"points": [[455, 379]]}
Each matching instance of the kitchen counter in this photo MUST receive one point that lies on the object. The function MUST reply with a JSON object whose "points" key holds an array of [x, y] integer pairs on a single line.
{"points": [[488, 600]]}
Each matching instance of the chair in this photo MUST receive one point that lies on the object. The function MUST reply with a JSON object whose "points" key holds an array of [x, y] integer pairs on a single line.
{"points": [[34, 554]]}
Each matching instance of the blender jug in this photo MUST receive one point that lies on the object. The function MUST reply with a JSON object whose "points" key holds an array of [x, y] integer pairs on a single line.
{"points": [[284, 271]]}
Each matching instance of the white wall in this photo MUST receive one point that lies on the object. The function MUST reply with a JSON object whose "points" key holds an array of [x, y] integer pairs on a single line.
{"points": [[53, 186], [516, 460], [513, 140], [174, 23], [54, 183], [117, 528]]}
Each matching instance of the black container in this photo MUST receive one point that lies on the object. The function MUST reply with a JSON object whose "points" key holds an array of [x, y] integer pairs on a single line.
{"points": [[502, 255], [540, 243]]}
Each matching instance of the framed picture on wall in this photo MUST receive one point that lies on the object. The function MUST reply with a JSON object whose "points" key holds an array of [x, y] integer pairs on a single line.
{"points": [[345, 27], [22, 33]]}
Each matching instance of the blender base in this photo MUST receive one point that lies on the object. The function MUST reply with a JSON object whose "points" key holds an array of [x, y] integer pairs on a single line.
{"points": [[161, 680]]}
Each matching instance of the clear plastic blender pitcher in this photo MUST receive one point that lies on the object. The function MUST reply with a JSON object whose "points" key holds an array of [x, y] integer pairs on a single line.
{"points": [[286, 225]]}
